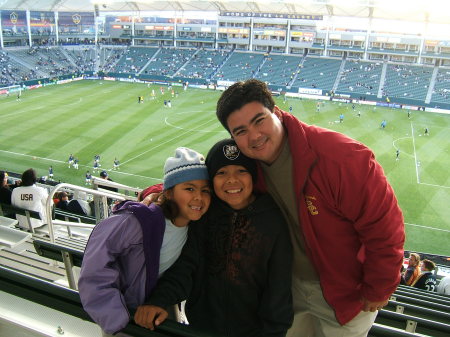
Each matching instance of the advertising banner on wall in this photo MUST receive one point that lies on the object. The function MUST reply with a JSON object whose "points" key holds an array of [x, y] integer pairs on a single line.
{"points": [[310, 91], [42, 22], [14, 22], [76, 22]]}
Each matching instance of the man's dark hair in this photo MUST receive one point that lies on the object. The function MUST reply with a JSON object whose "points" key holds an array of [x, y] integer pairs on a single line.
{"points": [[430, 265], [240, 94], [2, 177], [29, 177]]}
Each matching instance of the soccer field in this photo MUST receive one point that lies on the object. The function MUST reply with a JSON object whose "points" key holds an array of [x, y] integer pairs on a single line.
{"points": [[100, 117]]}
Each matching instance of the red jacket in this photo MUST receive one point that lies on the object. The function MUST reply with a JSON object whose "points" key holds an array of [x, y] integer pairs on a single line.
{"points": [[349, 217]]}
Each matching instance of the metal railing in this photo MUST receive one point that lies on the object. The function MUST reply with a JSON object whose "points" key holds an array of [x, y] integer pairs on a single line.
{"points": [[100, 198]]}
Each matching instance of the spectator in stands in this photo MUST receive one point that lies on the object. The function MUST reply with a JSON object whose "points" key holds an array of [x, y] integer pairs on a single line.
{"points": [[345, 222], [413, 270], [444, 286], [79, 204], [30, 197], [402, 275], [127, 252], [5, 189], [241, 246], [104, 175], [426, 280], [63, 201]]}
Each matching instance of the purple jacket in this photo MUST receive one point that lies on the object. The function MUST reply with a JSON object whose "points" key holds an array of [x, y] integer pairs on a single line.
{"points": [[120, 264]]}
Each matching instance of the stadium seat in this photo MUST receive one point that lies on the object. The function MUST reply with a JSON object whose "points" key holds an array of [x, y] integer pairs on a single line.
{"points": [[412, 323], [68, 301], [419, 311]]}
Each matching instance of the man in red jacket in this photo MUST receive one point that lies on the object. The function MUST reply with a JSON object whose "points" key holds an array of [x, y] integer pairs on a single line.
{"points": [[345, 224]]}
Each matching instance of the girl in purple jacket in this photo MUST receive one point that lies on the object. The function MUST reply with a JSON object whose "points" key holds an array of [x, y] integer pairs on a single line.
{"points": [[127, 252]]}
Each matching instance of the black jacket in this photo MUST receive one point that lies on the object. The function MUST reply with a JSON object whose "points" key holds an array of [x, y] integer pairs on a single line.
{"points": [[235, 272], [5, 195]]}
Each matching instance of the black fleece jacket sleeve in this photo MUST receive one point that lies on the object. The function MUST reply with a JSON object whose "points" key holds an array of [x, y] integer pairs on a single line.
{"points": [[276, 309]]}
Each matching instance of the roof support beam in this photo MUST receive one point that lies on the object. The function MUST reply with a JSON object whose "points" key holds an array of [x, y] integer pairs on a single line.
{"points": [[254, 7], [330, 10], [54, 5], [177, 4], [219, 5]]}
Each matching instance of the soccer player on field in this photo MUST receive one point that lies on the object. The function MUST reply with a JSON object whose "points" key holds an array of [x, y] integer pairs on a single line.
{"points": [[50, 172], [70, 160], [88, 178], [116, 164], [95, 167]]}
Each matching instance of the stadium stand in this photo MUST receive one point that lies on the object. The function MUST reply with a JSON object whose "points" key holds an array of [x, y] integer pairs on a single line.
{"points": [[418, 311], [168, 61], [318, 73], [413, 324], [13, 72], [428, 303], [386, 331], [407, 81], [133, 60], [360, 77], [240, 66], [65, 300], [203, 64], [10, 209], [441, 92], [357, 77], [109, 56], [84, 58], [47, 62], [279, 69], [422, 295]]}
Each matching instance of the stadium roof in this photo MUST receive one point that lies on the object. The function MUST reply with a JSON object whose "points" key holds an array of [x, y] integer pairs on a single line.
{"points": [[435, 11]]}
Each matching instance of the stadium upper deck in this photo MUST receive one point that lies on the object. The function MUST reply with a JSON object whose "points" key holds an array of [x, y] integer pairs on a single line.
{"points": [[268, 37]]}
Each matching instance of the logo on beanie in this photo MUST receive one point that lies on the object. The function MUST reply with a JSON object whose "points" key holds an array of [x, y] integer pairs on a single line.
{"points": [[231, 152]]}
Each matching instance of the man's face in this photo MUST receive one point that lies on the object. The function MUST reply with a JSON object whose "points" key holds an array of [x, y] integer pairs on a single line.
{"points": [[257, 131]]}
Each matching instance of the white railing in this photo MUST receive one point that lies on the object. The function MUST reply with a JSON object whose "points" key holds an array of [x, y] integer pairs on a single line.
{"points": [[100, 194]]}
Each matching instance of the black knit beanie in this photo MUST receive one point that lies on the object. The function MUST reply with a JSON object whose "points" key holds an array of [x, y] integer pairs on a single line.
{"points": [[224, 153]]}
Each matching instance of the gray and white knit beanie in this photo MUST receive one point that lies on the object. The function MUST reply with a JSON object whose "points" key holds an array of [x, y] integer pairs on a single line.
{"points": [[185, 166]]}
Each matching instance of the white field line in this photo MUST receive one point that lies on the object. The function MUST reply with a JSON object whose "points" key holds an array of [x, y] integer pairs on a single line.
{"points": [[428, 227], [20, 112], [415, 155], [441, 186], [395, 146], [191, 130], [160, 144]]}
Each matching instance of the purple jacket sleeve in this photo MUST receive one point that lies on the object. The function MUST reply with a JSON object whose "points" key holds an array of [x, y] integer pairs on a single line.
{"points": [[99, 283]]}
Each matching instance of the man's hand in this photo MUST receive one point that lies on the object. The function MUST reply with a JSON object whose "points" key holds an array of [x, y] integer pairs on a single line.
{"points": [[373, 306], [156, 198], [150, 316]]}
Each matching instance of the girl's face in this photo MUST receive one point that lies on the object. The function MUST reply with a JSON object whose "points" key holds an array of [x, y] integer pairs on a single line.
{"points": [[192, 198], [233, 184]]}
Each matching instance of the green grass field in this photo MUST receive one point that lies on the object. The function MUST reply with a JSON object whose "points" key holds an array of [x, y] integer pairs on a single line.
{"points": [[89, 117]]}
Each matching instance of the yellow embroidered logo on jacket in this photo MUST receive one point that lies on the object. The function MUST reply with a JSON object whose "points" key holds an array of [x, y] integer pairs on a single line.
{"points": [[309, 203]]}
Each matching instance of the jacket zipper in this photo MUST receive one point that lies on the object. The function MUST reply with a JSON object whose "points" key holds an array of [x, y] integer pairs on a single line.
{"points": [[230, 247]]}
